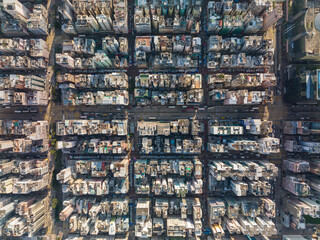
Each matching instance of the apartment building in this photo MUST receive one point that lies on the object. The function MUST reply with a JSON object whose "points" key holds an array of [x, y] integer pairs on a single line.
{"points": [[25, 206], [168, 89], [27, 136], [242, 178], [300, 174], [89, 17], [171, 51], [16, 9], [94, 146], [228, 17], [21, 82], [306, 13], [117, 97], [167, 16], [92, 217], [241, 216], [98, 183], [266, 145], [92, 127], [37, 24], [158, 137], [167, 176], [30, 215]]}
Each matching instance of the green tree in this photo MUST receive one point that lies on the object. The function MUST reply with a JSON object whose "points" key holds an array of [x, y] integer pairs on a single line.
{"points": [[54, 203]]}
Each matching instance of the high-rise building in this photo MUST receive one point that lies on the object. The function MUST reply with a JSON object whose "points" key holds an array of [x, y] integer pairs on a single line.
{"points": [[66, 9], [37, 24], [16, 9], [302, 42], [14, 27]]}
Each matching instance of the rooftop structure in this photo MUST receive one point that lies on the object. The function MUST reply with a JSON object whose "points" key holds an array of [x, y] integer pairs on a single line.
{"points": [[241, 97], [240, 127], [302, 146], [296, 166], [90, 216], [37, 24], [295, 210], [35, 167], [300, 174], [99, 81], [167, 16], [92, 127], [24, 216], [152, 128], [240, 61], [267, 145], [35, 47], [14, 27], [89, 17], [93, 146], [95, 178], [34, 130], [22, 82], [24, 144], [175, 217], [249, 44], [35, 98], [302, 83], [242, 178], [16, 9], [176, 51], [100, 60], [303, 31], [172, 89], [168, 176], [241, 216], [73, 97], [26, 136], [21, 63], [241, 80], [172, 145], [143, 226], [234, 18]]}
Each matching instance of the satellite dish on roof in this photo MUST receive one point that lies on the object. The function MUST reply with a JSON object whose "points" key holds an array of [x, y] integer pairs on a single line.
{"points": [[317, 22]]}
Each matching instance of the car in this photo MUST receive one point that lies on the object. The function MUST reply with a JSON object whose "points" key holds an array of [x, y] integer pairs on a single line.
{"points": [[207, 231]]}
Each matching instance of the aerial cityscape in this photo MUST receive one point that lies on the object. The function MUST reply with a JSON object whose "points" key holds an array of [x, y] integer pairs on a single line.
{"points": [[160, 119]]}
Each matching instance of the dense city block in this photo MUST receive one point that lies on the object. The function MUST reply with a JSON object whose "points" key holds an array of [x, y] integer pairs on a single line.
{"points": [[159, 119]]}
